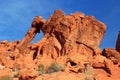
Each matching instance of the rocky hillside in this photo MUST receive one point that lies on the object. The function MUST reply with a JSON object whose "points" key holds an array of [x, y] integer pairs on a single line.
{"points": [[69, 50]]}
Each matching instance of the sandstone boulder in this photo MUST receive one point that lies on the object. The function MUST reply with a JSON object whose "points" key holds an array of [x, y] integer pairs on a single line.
{"points": [[26, 74], [112, 54]]}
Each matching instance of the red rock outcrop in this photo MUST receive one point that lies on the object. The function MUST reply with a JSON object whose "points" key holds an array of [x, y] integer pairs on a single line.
{"points": [[118, 43], [72, 34], [112, 54], [70, 40], [35, 28]]}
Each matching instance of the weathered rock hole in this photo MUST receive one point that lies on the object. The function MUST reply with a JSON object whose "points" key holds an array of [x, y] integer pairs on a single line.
{"points": [[119, 66], [115, 62], [72, 63], [41, 51], [17, 42], [12, 57], [9, 50], [35, 54]]}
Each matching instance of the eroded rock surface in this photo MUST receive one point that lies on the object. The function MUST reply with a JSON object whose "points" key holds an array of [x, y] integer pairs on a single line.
{"points": [[71, 34], [112, 54], [72, 41], [35, 28]]}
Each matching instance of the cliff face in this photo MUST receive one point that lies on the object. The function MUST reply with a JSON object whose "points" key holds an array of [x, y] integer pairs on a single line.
{"points": [[70, 40]]}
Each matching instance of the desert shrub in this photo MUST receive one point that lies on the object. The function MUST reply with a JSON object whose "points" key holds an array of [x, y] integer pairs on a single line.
{"points": [[88, 78], [88, 71], [6, 77], [54, 67], [41, 69], [15, 72]]}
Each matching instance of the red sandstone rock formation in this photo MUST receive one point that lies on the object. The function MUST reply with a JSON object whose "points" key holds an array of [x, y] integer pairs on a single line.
{"points": [[70, 40], [72, 34], [35, 28], [112, 54], [118, 43]]}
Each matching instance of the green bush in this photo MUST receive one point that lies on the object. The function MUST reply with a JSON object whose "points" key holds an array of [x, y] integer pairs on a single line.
{"points": [[41, 69], [6, 77], [88, 78], [88, 70], [54, 67]]}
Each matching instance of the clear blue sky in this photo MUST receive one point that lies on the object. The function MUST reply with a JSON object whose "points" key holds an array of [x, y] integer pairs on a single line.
{"points": [[16, 16]]}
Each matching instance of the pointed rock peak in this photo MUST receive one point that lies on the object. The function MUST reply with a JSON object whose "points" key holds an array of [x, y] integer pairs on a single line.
{"points": [[118, 43]]}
